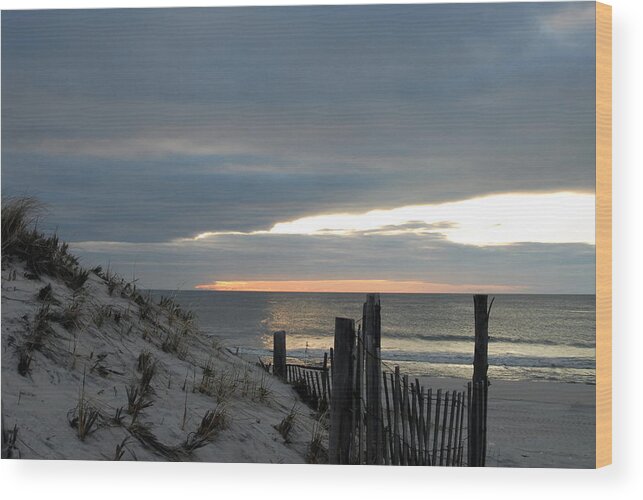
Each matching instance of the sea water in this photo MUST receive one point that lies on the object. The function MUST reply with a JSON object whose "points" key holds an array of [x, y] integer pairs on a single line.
{"points": [[531, 337]]}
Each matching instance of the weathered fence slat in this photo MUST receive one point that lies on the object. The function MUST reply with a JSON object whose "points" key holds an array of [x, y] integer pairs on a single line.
{"points": [[437, 426], [427, 437], [444, 426], [372, 334], [420, 425], [412, 411], [341, 405], [397, 404], [454, 455], [449, 442], [460, 447], [405, 421], [389, 442]]}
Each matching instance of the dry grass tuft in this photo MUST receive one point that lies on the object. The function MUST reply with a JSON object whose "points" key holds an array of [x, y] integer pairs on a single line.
{"points": [[139, 393], [120, 449], [147, 438], [174, 342], [211, 424], [18, 216], [317, 453], [25, 357], [101, 314], [176, 312], [9, 437], [287, 424], [69, 316], [147, 367], [38, 330], [46, 294], [83, 418], [137, 401]]}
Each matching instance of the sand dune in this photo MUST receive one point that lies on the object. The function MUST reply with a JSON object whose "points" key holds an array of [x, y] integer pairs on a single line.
{"points": [[99, 347]]}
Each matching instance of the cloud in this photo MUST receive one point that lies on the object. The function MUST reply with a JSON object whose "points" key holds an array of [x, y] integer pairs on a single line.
{"points": [[570, 19], [147, 126], [492, 220], [538, 268]]}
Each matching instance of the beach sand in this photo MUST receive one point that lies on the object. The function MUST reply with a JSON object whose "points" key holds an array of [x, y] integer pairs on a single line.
{"points": [[97, 360], [536, 424]]}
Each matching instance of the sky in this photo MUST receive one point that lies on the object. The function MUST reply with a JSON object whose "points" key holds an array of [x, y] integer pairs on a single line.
{"points": [[391, 148]]}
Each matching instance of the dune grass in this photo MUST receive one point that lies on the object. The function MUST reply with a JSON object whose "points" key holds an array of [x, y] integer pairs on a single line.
{"points": [[9, 438], [211, 424], [287, 424], [43, 254], [83, 418]]}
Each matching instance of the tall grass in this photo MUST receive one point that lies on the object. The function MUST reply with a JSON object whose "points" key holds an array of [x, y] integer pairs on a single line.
{"points": [[316, 452], [211, 424], [18, 216], [83, 418], [42, 254], [38, 330], [139, 393]]}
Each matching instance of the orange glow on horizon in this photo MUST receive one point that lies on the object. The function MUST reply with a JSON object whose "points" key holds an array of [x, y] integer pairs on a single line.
{"points": [[352, 286]]}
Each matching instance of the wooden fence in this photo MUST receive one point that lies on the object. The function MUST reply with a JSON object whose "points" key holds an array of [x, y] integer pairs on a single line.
{"points": [[422, 427], [383, 417], [311, 383]]}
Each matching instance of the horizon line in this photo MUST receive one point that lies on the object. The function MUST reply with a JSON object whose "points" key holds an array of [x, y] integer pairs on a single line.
{"points": [[201, 290]]}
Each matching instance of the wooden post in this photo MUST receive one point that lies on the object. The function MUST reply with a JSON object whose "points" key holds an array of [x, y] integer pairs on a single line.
{"points": [[480, 381], [371, 321], [397, 414], [357, 397], [469, 425], [485, 389], [340, 435], [279, 354]]}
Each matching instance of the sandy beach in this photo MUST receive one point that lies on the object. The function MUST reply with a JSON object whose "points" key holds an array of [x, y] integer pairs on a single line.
{"points": [[90, 357], [536, 424]]}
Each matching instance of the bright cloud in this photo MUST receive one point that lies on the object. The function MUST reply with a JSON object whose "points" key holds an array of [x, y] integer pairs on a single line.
{"points": [[504, 219]]}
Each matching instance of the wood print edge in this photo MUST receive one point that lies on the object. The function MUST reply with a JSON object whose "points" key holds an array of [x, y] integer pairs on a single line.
{"points": [[603, 234]]}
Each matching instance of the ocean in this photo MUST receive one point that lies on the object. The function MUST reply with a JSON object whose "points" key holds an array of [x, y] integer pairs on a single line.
{"points": [[532, 337]]}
